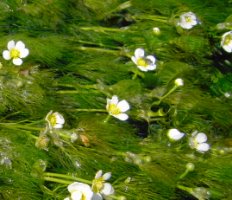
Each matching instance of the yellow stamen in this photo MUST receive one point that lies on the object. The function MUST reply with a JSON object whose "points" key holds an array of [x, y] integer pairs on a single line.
{"points": [[14, 53], [142, 62], [113, 109], [52, 119], [97, 184], [188, 19], [228, 39]]}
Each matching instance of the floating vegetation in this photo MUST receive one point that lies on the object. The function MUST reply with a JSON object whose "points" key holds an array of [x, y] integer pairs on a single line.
{"points": [[115, 99]]}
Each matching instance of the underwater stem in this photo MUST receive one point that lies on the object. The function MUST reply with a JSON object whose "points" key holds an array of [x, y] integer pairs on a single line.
{"points": [[50, 175]]}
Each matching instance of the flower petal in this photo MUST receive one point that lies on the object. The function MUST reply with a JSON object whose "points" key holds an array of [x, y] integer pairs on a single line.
{"points": [[227, 48], [98, 174], [175, 134], [151, 67], [6, 55], [11, 44], [121, 116], [58, 126], [139, 52], [97, 196], [114, 100], [59, 118], [17, 61], [20, 45], [106, 176], [151, 58], [107, 189], [77, 195], [24, 53], [203, 147], [142, 68], [201, 137], [133, 58], [123, 106]]}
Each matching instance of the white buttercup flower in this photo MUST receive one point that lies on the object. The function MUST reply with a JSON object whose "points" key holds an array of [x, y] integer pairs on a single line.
{"points": [[79, 191], [100, 187], [55, 120], [175, 134], [156, 30], [16, 51], [188, 20], [198, 142], [144, 63], [117, 108], [179, 82], [226, 41]]}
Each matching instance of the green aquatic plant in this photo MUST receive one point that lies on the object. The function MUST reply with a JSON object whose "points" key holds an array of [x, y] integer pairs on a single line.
{"points": [[68, 66]]}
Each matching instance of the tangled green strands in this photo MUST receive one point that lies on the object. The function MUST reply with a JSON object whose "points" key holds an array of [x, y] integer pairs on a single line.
{"points": [[115, 99]]}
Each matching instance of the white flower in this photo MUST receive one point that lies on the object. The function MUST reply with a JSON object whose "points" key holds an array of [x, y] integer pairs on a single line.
{"points": [[188, 20], [156, 31], [117, 108], [175, 134], [16, 51], [144, 63], [79, 191], [179, 82], [100, 187], [226, 41], [55, 120], [198, 142]]}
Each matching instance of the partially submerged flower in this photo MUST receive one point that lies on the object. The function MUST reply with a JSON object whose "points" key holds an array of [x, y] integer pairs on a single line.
{"points": [[55, 120], [156, 31], [188, 20], [179, 82], [226, 41], [79, 191], [117, 108], [144, 63], [175, 134], [100, 187], [198, 142], [16, 51]]}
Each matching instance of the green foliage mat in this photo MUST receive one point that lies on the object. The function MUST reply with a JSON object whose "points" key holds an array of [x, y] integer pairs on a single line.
{"points": [[79, 58]]}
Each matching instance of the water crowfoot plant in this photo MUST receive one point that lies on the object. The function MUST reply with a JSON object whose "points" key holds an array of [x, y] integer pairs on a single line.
{"points": [[188, 20], [117, 108], [16, 51], [226, 41]]}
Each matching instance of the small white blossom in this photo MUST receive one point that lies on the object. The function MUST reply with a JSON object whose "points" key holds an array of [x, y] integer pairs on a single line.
{"points": [[79, 191], [227, 94], [179, 82], [16, 51], [117, 108], [100, 187], [175, 134], [55, 120], [188, 20], [226, 41], [156, 31], [198, 142], [144, 63]]}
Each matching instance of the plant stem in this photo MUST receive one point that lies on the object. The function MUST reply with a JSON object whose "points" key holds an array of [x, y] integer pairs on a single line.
{"points": [[56, 180], [89, 110], [115, 52], [64, 176]]}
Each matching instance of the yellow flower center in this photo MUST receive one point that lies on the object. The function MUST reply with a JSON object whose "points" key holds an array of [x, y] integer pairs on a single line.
{"points": [[14, 53], [188, 19], [228, 39], [113, 109], [52, 120], [142, 62], [97, 184]]}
